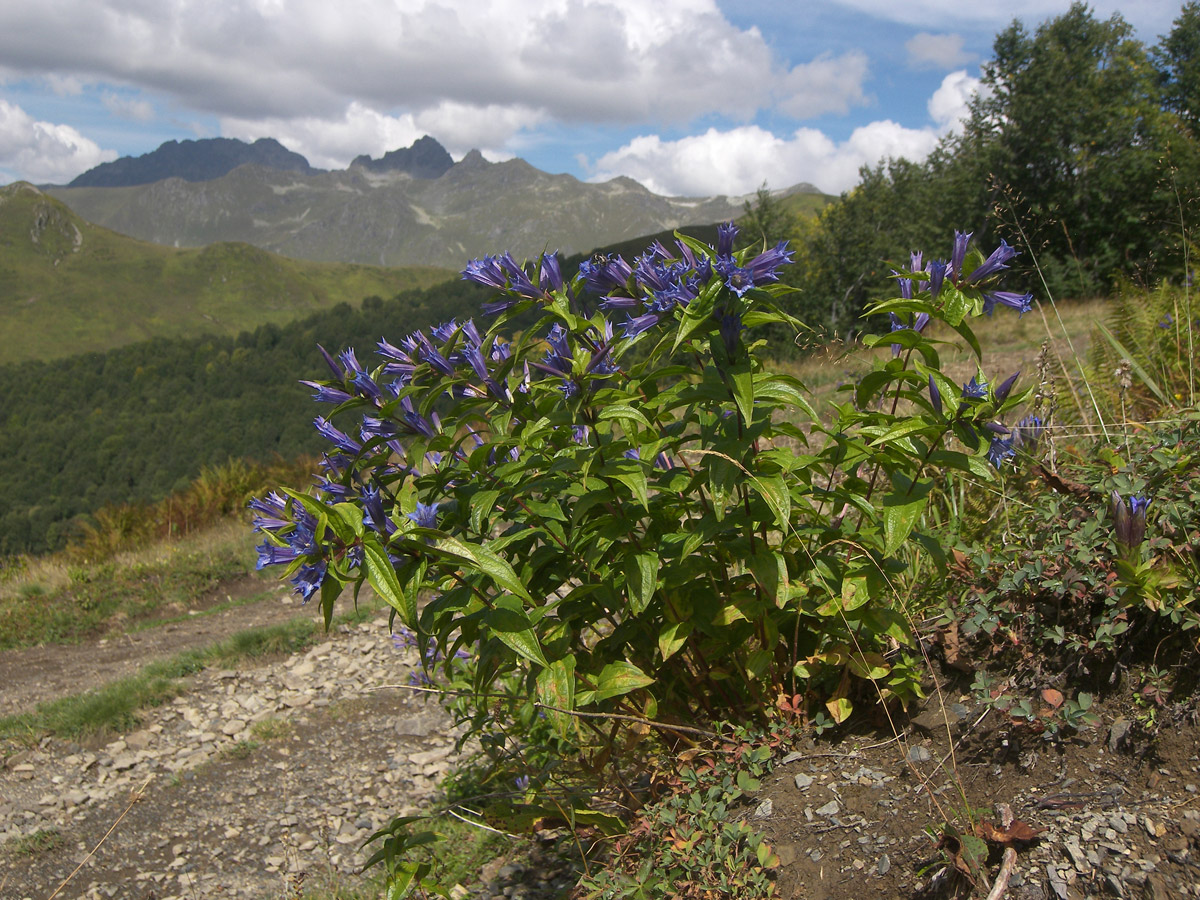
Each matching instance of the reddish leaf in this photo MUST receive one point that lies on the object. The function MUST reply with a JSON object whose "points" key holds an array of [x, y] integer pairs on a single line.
{"points": [[1016, 833], [1052, 697]]}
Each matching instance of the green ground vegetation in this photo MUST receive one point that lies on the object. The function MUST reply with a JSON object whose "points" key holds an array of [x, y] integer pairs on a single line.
{"points": [[70, 287]]}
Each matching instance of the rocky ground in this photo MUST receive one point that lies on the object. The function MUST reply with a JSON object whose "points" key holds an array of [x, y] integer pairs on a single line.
{"points": [[251, 784], [1116, 812], [264, 782]]}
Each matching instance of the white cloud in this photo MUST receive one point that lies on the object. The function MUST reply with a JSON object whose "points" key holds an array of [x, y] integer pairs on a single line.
{"points": [[936, 51], [127, 107], [329, 143], [738, 160], [825, 85], [615, 60], [472, 73], [43, 152], [950, 103]]}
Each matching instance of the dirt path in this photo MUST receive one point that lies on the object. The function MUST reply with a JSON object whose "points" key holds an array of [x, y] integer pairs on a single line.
{"points": [[32, 675]]}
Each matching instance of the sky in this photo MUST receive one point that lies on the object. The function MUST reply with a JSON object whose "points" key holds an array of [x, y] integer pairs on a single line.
{"points": [[689, 97]]}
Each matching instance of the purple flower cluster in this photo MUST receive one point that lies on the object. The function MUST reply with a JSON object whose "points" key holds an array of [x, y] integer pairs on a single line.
{"points": [[940, 271], [294, 529], [659, 282]]}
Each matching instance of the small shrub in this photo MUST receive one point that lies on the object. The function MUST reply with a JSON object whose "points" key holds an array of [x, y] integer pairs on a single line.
{"points": [[625, 520]]}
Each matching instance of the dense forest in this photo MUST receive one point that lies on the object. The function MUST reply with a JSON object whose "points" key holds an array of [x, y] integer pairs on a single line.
{"points": [[139, 422]]}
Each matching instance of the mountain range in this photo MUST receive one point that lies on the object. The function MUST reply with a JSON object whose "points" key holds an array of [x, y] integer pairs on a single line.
{"points": [[414, 206]]}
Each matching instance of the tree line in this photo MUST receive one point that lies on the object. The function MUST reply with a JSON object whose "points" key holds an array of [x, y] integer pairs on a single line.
{"points": [[1082, 149]]}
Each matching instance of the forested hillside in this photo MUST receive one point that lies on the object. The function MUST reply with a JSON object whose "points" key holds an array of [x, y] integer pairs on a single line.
{"points": [[133, 424], [68, 286]]}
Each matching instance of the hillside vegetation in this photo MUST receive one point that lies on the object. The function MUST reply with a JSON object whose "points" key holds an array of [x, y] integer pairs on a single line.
{"points": [[133, 424], [68, 287]]}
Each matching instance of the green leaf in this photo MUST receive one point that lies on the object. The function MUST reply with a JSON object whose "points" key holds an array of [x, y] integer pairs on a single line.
{"points": [[556, 687], [696, 313], [510, 623], [903, 428], [839, 709], [487, 562], [770, 572], [624, 411], [974, 853], [746, 784], [783, 389], [871, 666], [900, 515], [382, 576], [636, 482], [742, 382], [482, 504], [330, 589], [351, 516], [641, 576], [619, 678], [955, 304], [672, 638], [773, 489]]}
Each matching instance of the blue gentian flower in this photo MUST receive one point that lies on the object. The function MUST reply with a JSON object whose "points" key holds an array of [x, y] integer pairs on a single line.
{"points": [[550, 273], [635, 325], [326, 393], [425, 515], [726, 233], [272, 555], [974, 389], [765, 267], [935, 396], [308, 580], [337, 437], [374, 516], [334, 366], [274, 514], [961, 240], [1006, 387], [994, 263], [1022, 303], [1000, 449], [1129, 516], [937, 277], [1027, 433]]}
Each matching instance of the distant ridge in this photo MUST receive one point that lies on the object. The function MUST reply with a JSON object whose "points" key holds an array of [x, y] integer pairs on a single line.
{"points": [[426, 158], [68, 286], [201, 160]]}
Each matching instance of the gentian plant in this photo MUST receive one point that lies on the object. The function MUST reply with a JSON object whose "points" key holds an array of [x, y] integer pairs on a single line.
{"points": [[599, 491]]}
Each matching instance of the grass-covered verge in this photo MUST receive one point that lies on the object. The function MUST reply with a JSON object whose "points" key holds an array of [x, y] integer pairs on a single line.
{"points": [[63, 600]]}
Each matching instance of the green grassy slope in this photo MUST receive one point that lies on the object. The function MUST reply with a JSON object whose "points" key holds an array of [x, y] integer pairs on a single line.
{"points": [[69, 287]]}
